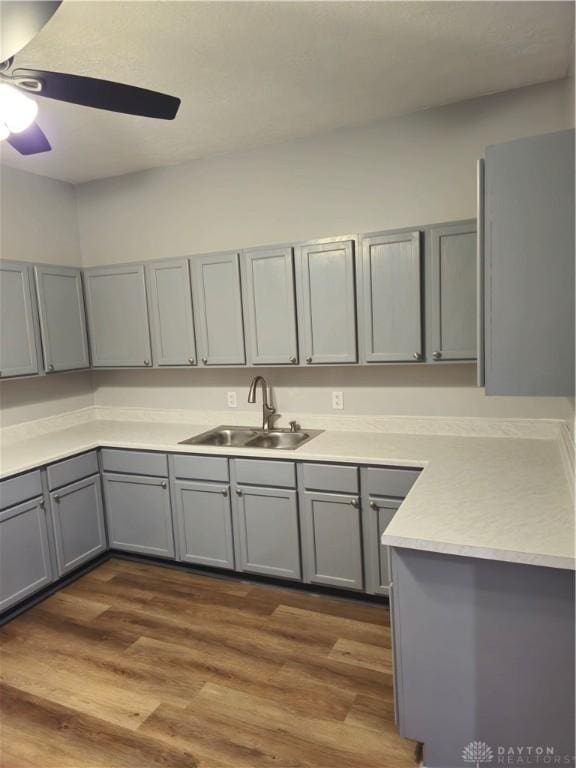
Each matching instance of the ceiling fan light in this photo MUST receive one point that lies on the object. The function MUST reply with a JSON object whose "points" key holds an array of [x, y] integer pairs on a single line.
{"points": [[17, 111], [4, 132]]}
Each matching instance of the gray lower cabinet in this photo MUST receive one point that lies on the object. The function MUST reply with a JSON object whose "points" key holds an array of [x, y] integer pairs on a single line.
{"points": [[25, 559], [529, 266], [78, 521], [218, 309], [62, 318], [390, 296], [325, 281], [139, 514], [451, 293], [170, 308], [118, 316], [19, 352], [204, 524], [270, 306], [377, 513], [332, 540], [267, 531]]}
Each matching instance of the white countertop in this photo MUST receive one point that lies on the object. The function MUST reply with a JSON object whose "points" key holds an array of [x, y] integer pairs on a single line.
{"points": [[495, 498]]}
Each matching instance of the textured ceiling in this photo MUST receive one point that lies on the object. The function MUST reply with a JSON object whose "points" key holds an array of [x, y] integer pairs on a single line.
{"points": [[263, 72]]}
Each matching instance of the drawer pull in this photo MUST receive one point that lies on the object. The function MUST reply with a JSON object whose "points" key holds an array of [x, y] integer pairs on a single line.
{"points": [[163, 484], [224, 491], [355, 503]]}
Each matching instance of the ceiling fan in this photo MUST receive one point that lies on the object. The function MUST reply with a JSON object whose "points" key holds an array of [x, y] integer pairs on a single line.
{"points": [[20, 22]]}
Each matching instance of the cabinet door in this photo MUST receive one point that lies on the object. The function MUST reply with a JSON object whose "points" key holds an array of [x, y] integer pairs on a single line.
{"points": [[139, 514], [326, 302], [377, 514], [204, 524], [78, 520], [267, 522], [391, 297], [170, 305], [25, 563], [529, 266], [451, 292], [331, 540], [218, 309], [118, 317], [62, 318], [268, 283], [18, 351]]}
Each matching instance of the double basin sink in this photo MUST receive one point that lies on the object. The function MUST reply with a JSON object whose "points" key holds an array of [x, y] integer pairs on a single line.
{"points": [[250, 437]]}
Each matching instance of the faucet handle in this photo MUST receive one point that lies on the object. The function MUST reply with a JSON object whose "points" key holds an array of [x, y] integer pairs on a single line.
{"points": [[294, 426]]}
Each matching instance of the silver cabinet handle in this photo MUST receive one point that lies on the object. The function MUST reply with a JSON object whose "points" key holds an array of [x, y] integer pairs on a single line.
{"points": [[146, 362], [308, 359], [238, 492], [224, 491], [50, 367], [57, 498], [163, 484], [191, 360], [417, 355], [354, 503], [373, 505], [205, 360], [293, 360], [437, 355]]}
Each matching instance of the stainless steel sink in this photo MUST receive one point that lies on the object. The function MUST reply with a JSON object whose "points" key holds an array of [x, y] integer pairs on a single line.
{"points": [[249, 437]]}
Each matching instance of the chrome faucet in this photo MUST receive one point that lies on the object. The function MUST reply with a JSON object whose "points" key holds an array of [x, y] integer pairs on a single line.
{"points": [[268, 411]]}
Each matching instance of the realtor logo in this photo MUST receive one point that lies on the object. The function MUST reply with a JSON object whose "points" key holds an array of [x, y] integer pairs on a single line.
{"points": [[477, 752]]}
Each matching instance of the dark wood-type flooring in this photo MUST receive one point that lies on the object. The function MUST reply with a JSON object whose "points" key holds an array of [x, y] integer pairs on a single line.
{"points": [[139, 666]]}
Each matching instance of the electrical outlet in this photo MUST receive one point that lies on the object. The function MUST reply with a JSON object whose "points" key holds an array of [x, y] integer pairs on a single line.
{"points": [[232, 403], [338, 400]]}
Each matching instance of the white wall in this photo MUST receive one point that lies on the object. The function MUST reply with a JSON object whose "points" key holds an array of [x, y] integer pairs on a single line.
{"points": [[38, 219], [37, 398], [413, 170]]}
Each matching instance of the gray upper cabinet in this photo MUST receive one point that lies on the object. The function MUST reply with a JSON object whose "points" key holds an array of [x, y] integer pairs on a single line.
{"points": [[267, 528], [218, 309], [451, 292], [332, 540], [529, 266], [62, 318], [170, 307], [269, 304], [118, 316], [391, 319], [204, 524], [25, 560], [326, 302], [78, 520], [139, 514], [18, 331]]}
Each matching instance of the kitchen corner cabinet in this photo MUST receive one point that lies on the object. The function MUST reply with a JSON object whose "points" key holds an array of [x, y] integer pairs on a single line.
{"points": [[78, 521], [267, 523], [377, 515], [529, 266], [62, 318], [170, 308], [270, 306], [390, 287], [118, 316], [139, 514], [451, 292], [25, 559], [325, 281], [332, 540], [204, 523], [19, 343], [218, 309]]}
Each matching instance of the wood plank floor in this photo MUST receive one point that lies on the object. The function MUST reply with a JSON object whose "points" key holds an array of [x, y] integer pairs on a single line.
{"points": [[138, 665]]}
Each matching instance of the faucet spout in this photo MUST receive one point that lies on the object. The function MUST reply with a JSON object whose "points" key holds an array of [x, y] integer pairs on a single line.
{"points": [[268, 411]]}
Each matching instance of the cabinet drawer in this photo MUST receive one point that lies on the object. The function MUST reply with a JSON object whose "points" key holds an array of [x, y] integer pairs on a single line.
{"points": [[201, 468], [389, 482], [21, 488], [255, 472], [70, 470], [135, 462], [331, 477]]}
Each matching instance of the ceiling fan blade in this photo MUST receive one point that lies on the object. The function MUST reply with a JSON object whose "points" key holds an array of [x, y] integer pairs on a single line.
{"points": [[103, 94], [20, 22], [32, 141]]}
